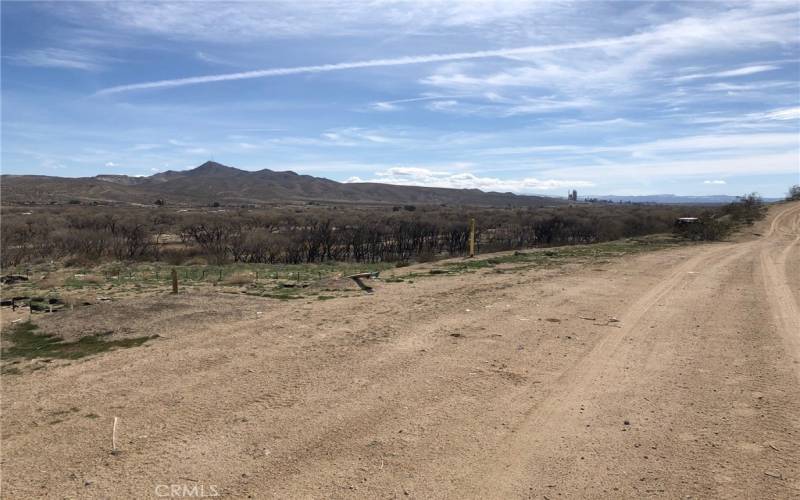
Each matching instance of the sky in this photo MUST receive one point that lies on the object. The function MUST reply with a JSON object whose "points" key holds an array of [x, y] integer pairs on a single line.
{"points": [[626, 98]]}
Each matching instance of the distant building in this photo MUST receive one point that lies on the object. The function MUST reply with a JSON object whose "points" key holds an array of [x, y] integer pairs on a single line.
{"points": [[573, 195]]}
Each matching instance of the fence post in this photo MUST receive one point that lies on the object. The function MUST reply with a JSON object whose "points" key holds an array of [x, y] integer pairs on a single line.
{"points": [[174, 280], [472, 237]]}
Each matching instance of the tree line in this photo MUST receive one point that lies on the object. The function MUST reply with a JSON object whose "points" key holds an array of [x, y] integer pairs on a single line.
{"points": [[80, 235]]}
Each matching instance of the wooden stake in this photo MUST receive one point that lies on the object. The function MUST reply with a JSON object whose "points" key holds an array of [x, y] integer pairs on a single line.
{"points": [[174, 280], [114, 438], [472, 237]]}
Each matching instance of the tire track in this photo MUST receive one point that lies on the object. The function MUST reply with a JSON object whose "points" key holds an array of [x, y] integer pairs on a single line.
{"points": [[503, 477], [774, 278]]}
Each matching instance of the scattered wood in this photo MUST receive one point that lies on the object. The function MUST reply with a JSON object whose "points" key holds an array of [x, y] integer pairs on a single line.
{"points": [[360, 276], [587, 318], [10, 279]]}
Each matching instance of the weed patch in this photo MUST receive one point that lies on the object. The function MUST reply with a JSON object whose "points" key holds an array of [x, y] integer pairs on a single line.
{"points": [[28, 344]]}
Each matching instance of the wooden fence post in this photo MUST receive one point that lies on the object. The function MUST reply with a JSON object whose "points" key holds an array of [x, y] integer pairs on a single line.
{"points": [[472, 237], [174, 280]]}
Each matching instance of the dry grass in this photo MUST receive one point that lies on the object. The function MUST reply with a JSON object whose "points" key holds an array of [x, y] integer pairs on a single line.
{"points": [[93, 279], [51, 280], [238, 279]]}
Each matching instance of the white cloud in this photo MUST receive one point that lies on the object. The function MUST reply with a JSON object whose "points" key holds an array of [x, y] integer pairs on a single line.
{"points": [[715, 182], [393, 105], [652, 171], [729, 144], [746, 87], [384, 106], [57, 58], [372, 63], [354, 136], [613, 62], [632, 65], [111, 164], [747, 70], [783, 114], [765, 120], [223, 22], [418, 176], [732, 143]]}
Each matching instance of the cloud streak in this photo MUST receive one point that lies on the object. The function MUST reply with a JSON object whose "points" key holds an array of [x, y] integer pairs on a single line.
{"points": [[418, 176], [371, 63], [57, 58], [747, 70]]}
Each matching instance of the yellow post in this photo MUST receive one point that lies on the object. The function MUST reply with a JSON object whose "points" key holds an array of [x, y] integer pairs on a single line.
{"points": [[472, 237]]}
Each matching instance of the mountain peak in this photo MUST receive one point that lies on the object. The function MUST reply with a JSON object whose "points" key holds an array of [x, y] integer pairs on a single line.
{"points": [[212, 166]]}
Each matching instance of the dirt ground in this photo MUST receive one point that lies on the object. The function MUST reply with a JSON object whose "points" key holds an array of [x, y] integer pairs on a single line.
{"points": [[670, 374]]}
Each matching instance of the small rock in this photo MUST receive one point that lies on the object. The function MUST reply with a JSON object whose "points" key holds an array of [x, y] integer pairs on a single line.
{"points": [[626, 422]]}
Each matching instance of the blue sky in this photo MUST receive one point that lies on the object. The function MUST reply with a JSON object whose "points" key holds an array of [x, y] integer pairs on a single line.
{"points": [[530, 97]]}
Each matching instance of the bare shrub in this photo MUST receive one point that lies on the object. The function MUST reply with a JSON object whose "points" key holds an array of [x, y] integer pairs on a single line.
{"points": [[195, 261], [84, 235]]}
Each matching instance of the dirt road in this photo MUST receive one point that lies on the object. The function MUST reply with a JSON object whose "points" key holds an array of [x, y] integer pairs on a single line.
{"points": [[672, 374]]}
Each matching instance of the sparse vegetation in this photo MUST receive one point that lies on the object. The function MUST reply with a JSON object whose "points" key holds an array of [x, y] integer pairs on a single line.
{"points": [[310, 234], [715, 225], [27, 343]]}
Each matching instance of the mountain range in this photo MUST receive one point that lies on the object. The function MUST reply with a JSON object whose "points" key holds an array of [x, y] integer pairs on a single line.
{"points": [[212, 183]]}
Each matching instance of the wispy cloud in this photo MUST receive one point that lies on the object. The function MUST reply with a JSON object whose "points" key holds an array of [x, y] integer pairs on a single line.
{"points": [[418, 176], [719, 181], [744, 71], [393, 105], [371, 63], [277, 19], [57, 58]]}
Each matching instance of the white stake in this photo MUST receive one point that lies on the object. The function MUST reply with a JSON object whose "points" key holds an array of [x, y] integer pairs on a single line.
{"points": [[114, 438]]}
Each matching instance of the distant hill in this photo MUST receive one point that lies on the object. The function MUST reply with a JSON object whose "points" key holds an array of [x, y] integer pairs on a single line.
{"points": [[216, 183], [671, 199]]}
